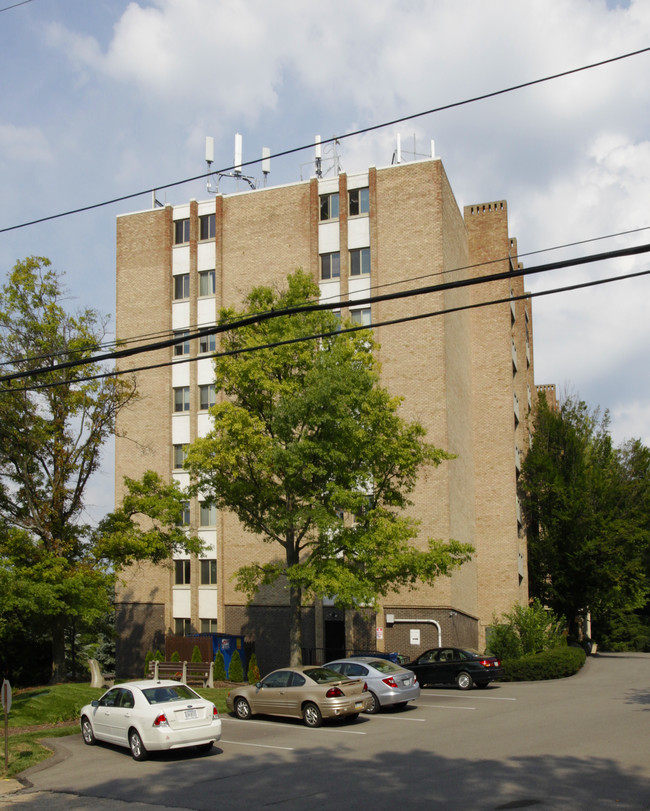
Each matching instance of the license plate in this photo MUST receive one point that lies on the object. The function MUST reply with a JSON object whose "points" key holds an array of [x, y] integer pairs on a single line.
{"points": [[406, 682], [191, 714], [358, 705]]}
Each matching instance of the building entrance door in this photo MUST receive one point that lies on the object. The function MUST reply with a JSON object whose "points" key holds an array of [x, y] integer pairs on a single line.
{"points": [[334, 638]]}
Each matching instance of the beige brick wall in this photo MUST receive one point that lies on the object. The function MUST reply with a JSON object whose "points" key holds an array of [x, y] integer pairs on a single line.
{"points": [[454, 370]]}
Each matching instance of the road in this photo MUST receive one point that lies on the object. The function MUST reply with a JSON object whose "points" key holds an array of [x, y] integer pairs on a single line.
{"points": [[578, 743]]}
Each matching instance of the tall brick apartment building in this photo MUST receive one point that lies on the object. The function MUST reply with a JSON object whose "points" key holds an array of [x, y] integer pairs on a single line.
{"points": [[467, 376]]}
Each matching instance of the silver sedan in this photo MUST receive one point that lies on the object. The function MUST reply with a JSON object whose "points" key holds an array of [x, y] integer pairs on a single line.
{"points": [[388, 683]]}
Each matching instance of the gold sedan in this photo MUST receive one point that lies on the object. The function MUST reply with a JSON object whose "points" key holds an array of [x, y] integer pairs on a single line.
{"points": [[307, 692]]}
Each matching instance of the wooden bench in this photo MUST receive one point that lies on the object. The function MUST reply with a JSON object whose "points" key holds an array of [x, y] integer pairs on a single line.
{"points": [[97, 678], [186, 672]]}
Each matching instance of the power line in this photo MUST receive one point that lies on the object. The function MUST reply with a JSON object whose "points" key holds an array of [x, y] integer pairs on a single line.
{"points": [[311, 308], [355, 133], [324, 335], [15, 5]]}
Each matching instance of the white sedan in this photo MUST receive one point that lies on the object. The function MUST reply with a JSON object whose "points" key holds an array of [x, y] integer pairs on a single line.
{"points": [[151, 715]]}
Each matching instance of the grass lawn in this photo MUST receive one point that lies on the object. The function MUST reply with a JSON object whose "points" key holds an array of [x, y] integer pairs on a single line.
{"points": [[51, 712]]}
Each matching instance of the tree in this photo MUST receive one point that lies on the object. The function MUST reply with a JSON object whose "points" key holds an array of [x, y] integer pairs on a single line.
{"points": [[57, 570], [588, 528], [524, 630], [310, 452]]}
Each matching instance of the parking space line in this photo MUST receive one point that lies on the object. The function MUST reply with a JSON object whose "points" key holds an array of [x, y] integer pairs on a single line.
{"points": [[399, 718], [259, 745], [474, 698], [445, 707], [300, 727]]}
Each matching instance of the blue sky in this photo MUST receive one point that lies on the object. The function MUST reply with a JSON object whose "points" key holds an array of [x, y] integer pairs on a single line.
{"points": [[105, 98]]}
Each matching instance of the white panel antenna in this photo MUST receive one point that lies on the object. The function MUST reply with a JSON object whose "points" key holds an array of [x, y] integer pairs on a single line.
{"points": [[266, 161], [209, 149], [238, 153]]}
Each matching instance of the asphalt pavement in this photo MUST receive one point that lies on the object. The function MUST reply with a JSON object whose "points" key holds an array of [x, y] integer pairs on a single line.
{"points": [[577, 743]]}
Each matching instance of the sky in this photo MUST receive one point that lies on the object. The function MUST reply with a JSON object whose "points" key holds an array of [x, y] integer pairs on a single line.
{"points": [[104, 99]]}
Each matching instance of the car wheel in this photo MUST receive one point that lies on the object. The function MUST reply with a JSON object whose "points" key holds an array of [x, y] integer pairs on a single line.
{"points": [[374, 705], [87, 732], [138, 751], [464, 681], [311, 715], [242, 709], [205, 747]]}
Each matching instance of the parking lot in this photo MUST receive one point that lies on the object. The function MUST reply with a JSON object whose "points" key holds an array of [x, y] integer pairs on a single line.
{"points": [[571, 744]]}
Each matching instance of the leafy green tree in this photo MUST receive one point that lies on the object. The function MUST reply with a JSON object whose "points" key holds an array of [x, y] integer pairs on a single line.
{"points": [[586, 505], [55, 417], [310, 452]]}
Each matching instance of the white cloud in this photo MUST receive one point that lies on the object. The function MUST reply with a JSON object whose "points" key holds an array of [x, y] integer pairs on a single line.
{"points": [[27, 144]]}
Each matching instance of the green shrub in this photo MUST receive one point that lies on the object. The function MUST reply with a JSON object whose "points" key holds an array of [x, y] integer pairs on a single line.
{"points": [[175, 657], [196, 654], [236, 670], [253, 670], [159, 655], [150, 656], [219, 667], [524, 630], [550, 664]]}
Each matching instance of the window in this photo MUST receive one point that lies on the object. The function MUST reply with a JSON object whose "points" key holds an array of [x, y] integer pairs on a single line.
{"points": [[207, 343], [208, 517], [359, 201], [181, 231], [182, 627], [209, 572], [361, 316], [184, 520], [208, 626], [206, 397], [182, 398], [329, 206], [330, 265], [206, 283], [207, 226], [180, 455], [182, 572], [181, 286], [184, 348], [359, 261]]}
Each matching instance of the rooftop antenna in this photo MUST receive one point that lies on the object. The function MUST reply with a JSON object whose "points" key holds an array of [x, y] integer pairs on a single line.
{"points": [[266, 162], [237, 165], [318, 157]]}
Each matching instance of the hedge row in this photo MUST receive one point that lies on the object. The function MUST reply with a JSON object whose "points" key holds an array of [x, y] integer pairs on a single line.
{"points": [[551, 664]]}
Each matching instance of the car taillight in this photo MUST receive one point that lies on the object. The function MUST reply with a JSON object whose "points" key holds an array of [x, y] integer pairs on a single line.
{"points": [[365, 687], [215, 712], [334, 692], [390, 681], [161, 721], [490, 662]]}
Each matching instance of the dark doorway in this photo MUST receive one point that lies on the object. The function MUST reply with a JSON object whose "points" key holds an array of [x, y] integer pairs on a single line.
{"points": [[334, 638]]}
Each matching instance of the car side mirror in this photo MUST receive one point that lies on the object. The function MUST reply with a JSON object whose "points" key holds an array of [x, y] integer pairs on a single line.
{"points": [[259, 685], [94, 703]]}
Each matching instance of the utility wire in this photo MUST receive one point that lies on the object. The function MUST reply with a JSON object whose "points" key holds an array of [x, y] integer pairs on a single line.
{"points": [[334, 138], [311, 308], [324, 335], [15, 5]]}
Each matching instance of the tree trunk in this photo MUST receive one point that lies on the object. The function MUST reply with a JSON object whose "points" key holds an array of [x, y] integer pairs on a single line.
{"points": [[58, 650], [295, 626]]}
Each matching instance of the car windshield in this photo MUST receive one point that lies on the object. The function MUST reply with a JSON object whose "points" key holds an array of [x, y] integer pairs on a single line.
{"points": [[385, 666], [175, 692], [322, 675]]}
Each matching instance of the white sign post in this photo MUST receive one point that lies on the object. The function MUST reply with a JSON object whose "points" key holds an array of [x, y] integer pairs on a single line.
{"points": [[5, 692]]}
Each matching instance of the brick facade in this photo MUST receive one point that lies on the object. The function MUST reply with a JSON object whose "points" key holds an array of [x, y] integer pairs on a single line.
{"points": [[463, 374]]}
